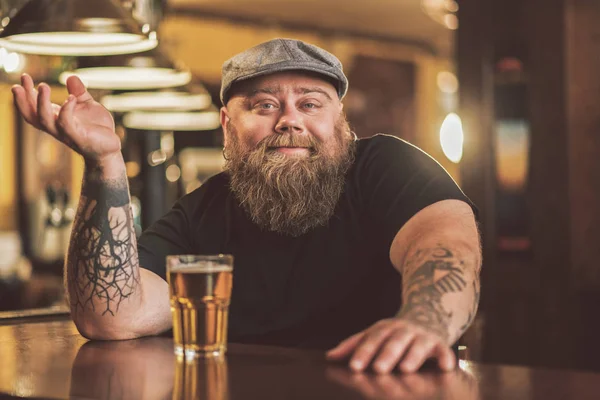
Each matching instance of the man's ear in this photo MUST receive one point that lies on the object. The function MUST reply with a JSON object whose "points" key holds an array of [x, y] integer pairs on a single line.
{"points": [[224, 117]]}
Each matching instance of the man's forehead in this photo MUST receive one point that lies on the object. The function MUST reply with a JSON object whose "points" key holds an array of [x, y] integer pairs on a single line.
{"points": [[284, 81]]}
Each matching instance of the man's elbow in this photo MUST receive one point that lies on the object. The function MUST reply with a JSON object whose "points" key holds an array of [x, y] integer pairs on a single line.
{"points": [[104, 330]]}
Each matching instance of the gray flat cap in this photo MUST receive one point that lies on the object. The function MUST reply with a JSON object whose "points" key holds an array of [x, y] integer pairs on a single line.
{"points": [[281, 55]]}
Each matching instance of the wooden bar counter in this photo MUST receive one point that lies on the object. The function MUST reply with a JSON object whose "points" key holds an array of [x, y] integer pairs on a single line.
{"points": [[50, 360]]}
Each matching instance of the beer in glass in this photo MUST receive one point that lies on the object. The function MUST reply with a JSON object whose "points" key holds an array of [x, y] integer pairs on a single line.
{"points": [[200, 292]]}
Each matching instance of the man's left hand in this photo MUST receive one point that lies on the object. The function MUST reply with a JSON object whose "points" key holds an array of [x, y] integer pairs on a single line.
{"points": [[391, 343]]}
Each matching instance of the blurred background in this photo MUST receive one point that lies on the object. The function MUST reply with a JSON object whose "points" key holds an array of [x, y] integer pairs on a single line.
{"points": [[503, 93]]}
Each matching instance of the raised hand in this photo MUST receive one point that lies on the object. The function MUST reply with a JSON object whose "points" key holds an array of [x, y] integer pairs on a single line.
{"points": [[81, 122]]}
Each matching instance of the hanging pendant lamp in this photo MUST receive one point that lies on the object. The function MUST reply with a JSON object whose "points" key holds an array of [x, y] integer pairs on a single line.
{"points": [[194, 98], [141, 71], [204, 120], [76, 28]]}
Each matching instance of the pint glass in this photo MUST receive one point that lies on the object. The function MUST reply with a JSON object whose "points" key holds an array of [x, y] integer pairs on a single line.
{"points": [[200, 292]]}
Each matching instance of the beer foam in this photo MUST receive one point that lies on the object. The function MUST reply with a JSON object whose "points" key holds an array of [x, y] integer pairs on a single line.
{"points": [[203, 267]]}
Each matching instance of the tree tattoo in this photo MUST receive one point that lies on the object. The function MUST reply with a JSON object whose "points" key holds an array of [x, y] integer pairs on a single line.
{"points": [[432, 273], [102, 255]]}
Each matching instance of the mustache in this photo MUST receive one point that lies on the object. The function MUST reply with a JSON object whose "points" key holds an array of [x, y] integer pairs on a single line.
{"points": [[288, 140]]}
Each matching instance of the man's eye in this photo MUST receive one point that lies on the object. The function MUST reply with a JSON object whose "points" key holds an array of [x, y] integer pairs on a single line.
{"points": [[310, 105], [266, 106]]}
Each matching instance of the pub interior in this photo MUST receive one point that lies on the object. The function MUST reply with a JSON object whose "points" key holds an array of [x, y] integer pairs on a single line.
{"points": [[502, 93]]}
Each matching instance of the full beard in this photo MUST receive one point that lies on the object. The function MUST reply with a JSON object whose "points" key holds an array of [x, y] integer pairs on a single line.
{"points": [[288, 194]]}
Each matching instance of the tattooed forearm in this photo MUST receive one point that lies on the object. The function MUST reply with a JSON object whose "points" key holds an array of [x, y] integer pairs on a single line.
{"points": [[430, 274], [102, 264], [474, 306]]}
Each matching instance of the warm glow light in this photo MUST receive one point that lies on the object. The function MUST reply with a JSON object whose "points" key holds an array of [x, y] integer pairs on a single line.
{"points": [[157, 157], [447, 82], [173, 173], [3, 54], [451, 21], [194, 159], [512, 154], [451, 5], [172, 121], [128, 78], [509, 64], [75, 39], [464, 365], [157, 101], [442, 11], [452, 138], [167, 143], [12, 62], [78, 43], [136, 207], [132, 169]]}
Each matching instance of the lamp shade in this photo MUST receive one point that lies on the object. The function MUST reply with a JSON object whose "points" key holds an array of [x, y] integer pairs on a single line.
{"points": [[157, 101], [173, 121], [141, 71], [127, 78], [76, 28]]}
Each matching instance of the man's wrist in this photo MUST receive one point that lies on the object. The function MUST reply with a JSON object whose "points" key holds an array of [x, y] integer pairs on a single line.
{"points": [[106, 182], [427, 321], [109, 167]]}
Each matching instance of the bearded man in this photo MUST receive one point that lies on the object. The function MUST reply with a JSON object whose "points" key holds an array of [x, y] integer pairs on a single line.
{"points": [[363, 247]]}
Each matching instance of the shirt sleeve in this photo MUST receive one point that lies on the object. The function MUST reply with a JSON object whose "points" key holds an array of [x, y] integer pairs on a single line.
{"points": [[167, 236], [397, 180]]}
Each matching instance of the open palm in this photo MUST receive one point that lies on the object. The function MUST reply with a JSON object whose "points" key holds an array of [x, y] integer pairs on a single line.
{"points": [[81, 122]]}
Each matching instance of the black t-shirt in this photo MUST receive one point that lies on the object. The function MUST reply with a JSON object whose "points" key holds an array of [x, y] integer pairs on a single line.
{"points": [[319, 288]]}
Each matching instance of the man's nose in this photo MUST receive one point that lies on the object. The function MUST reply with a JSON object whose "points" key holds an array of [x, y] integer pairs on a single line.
{"points": [[290, 121]]}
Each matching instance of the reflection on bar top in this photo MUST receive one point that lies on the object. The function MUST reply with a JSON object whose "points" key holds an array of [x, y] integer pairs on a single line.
{"points": [[57, 310]]}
